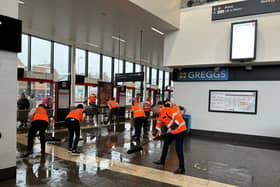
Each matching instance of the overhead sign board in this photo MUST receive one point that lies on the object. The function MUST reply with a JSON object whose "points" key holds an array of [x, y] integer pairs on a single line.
{"points": [[129, 77], [244, 8], [208, 74]]}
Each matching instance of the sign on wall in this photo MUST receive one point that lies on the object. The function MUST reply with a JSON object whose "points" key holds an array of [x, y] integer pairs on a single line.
{"points": [[208, 74], [233, 101], [129, 77], [244, 8]]}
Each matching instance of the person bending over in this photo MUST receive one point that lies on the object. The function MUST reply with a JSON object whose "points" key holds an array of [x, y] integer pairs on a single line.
{"points": [[73, 121]]}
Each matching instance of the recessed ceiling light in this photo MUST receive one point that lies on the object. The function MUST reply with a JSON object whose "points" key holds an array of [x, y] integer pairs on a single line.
{"points": [[21, 2], [157, 31], [119, 39]]}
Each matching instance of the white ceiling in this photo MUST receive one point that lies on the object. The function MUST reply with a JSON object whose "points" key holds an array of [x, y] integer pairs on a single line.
{"points": [[78, 22]]}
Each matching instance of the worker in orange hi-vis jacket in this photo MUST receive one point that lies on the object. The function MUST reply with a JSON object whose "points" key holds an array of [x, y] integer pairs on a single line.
{"points": [[175, 123]]}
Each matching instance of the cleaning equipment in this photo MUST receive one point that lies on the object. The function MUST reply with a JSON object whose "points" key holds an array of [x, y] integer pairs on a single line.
{"points": [[139, 147]]}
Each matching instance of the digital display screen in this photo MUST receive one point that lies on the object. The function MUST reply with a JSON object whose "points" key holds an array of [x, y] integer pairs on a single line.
{"points": [[243, 41]]}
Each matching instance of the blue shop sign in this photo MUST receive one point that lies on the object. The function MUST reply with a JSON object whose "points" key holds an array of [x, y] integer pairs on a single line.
{"points": [[203, 75]]}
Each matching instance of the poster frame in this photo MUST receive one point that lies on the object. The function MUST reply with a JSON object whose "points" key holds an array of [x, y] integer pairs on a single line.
{"points": [[236, 112]]}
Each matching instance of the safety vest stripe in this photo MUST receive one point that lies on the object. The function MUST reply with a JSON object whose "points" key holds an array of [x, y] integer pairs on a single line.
{"points": [[159, 129], [140, 110]]}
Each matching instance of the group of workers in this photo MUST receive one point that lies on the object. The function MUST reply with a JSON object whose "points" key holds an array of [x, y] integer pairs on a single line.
{"points": [[169, 122]]}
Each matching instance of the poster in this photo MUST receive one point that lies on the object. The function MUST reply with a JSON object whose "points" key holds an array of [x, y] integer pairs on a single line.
{"points": [[233, 101], [63, 98]]}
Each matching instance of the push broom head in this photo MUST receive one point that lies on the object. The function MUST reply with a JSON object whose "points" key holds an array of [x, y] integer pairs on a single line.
{"points": [[135, 149]]}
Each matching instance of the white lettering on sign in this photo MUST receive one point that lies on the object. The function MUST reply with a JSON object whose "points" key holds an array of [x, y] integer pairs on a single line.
{"points": [[202, 75]]}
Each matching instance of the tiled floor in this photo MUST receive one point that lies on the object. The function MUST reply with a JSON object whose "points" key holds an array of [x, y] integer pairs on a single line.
{"points": [[104, 162]]}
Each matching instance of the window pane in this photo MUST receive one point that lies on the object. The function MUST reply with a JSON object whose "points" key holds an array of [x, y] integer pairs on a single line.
{"points": [[79, 94], [160, 83], [94, 65], [166, 79], [107, 68], [80, 62], [118, 68], [154, 76], [40, 55], [129, 67], [61, 62], [137, 68], [23, 56]]}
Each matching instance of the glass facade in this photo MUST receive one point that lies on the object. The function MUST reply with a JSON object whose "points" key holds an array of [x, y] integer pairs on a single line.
{"points": [[41, 60]]}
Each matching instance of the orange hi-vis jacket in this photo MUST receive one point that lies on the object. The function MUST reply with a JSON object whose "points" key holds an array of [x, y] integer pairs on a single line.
{"points": [[147, 106], [92, 99], [41, 114], [76, 114], [137, 110], [113, 104], [168, 117]]}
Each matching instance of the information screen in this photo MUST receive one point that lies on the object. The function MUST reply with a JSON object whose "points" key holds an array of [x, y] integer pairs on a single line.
{"points": [[233, 101], [243, 41]]}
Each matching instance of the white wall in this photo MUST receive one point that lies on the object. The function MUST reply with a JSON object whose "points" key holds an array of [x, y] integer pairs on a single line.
{"points": [[200, 41], [8, 97], [194, 95], [167, 10]]}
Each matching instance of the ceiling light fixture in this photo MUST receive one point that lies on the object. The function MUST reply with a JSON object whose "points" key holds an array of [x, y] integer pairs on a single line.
{"points": [[157, 31], [119, 39], [21, 2], [91, 44]]}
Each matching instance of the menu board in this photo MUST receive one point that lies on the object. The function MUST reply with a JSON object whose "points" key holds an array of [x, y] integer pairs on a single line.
{"points": [[233, 101]]}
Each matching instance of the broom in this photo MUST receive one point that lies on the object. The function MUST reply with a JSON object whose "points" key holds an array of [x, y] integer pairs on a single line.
{"points": [[139, 147]]}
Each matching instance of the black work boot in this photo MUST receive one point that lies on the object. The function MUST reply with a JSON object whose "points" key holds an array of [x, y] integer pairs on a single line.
{"points": [[180, 171]]}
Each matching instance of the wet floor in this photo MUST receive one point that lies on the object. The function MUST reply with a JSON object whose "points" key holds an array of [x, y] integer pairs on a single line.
{"points": [[204, 159]]}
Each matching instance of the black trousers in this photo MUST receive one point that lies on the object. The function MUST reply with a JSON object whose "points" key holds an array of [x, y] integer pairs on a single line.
{"points": [[179, 147], [113, 112], [138, 123], [73, 126], [41, 126]]}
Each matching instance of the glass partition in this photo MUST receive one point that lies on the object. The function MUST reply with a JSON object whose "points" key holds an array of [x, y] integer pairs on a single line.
{"points": [[61, 62]]}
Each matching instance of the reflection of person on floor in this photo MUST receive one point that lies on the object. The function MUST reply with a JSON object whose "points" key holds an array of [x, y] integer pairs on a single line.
{"points": [[147, 109], [73, 121], [139, 118], [176, 125], [40, 122], [113, 107]]}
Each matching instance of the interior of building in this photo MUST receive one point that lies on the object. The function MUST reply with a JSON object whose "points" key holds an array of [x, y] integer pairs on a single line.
{"points": [[140, 93]]}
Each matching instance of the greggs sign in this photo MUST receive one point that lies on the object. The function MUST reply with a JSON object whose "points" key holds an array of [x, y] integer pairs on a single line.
{"points": [[221, 74]]}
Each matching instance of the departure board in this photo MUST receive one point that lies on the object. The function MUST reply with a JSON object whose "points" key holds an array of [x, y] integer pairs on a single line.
{"points": [[233, 101]]}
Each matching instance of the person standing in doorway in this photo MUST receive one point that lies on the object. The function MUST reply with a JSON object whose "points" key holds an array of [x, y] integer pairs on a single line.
{"points": [[23, 105], [73, 121]]}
